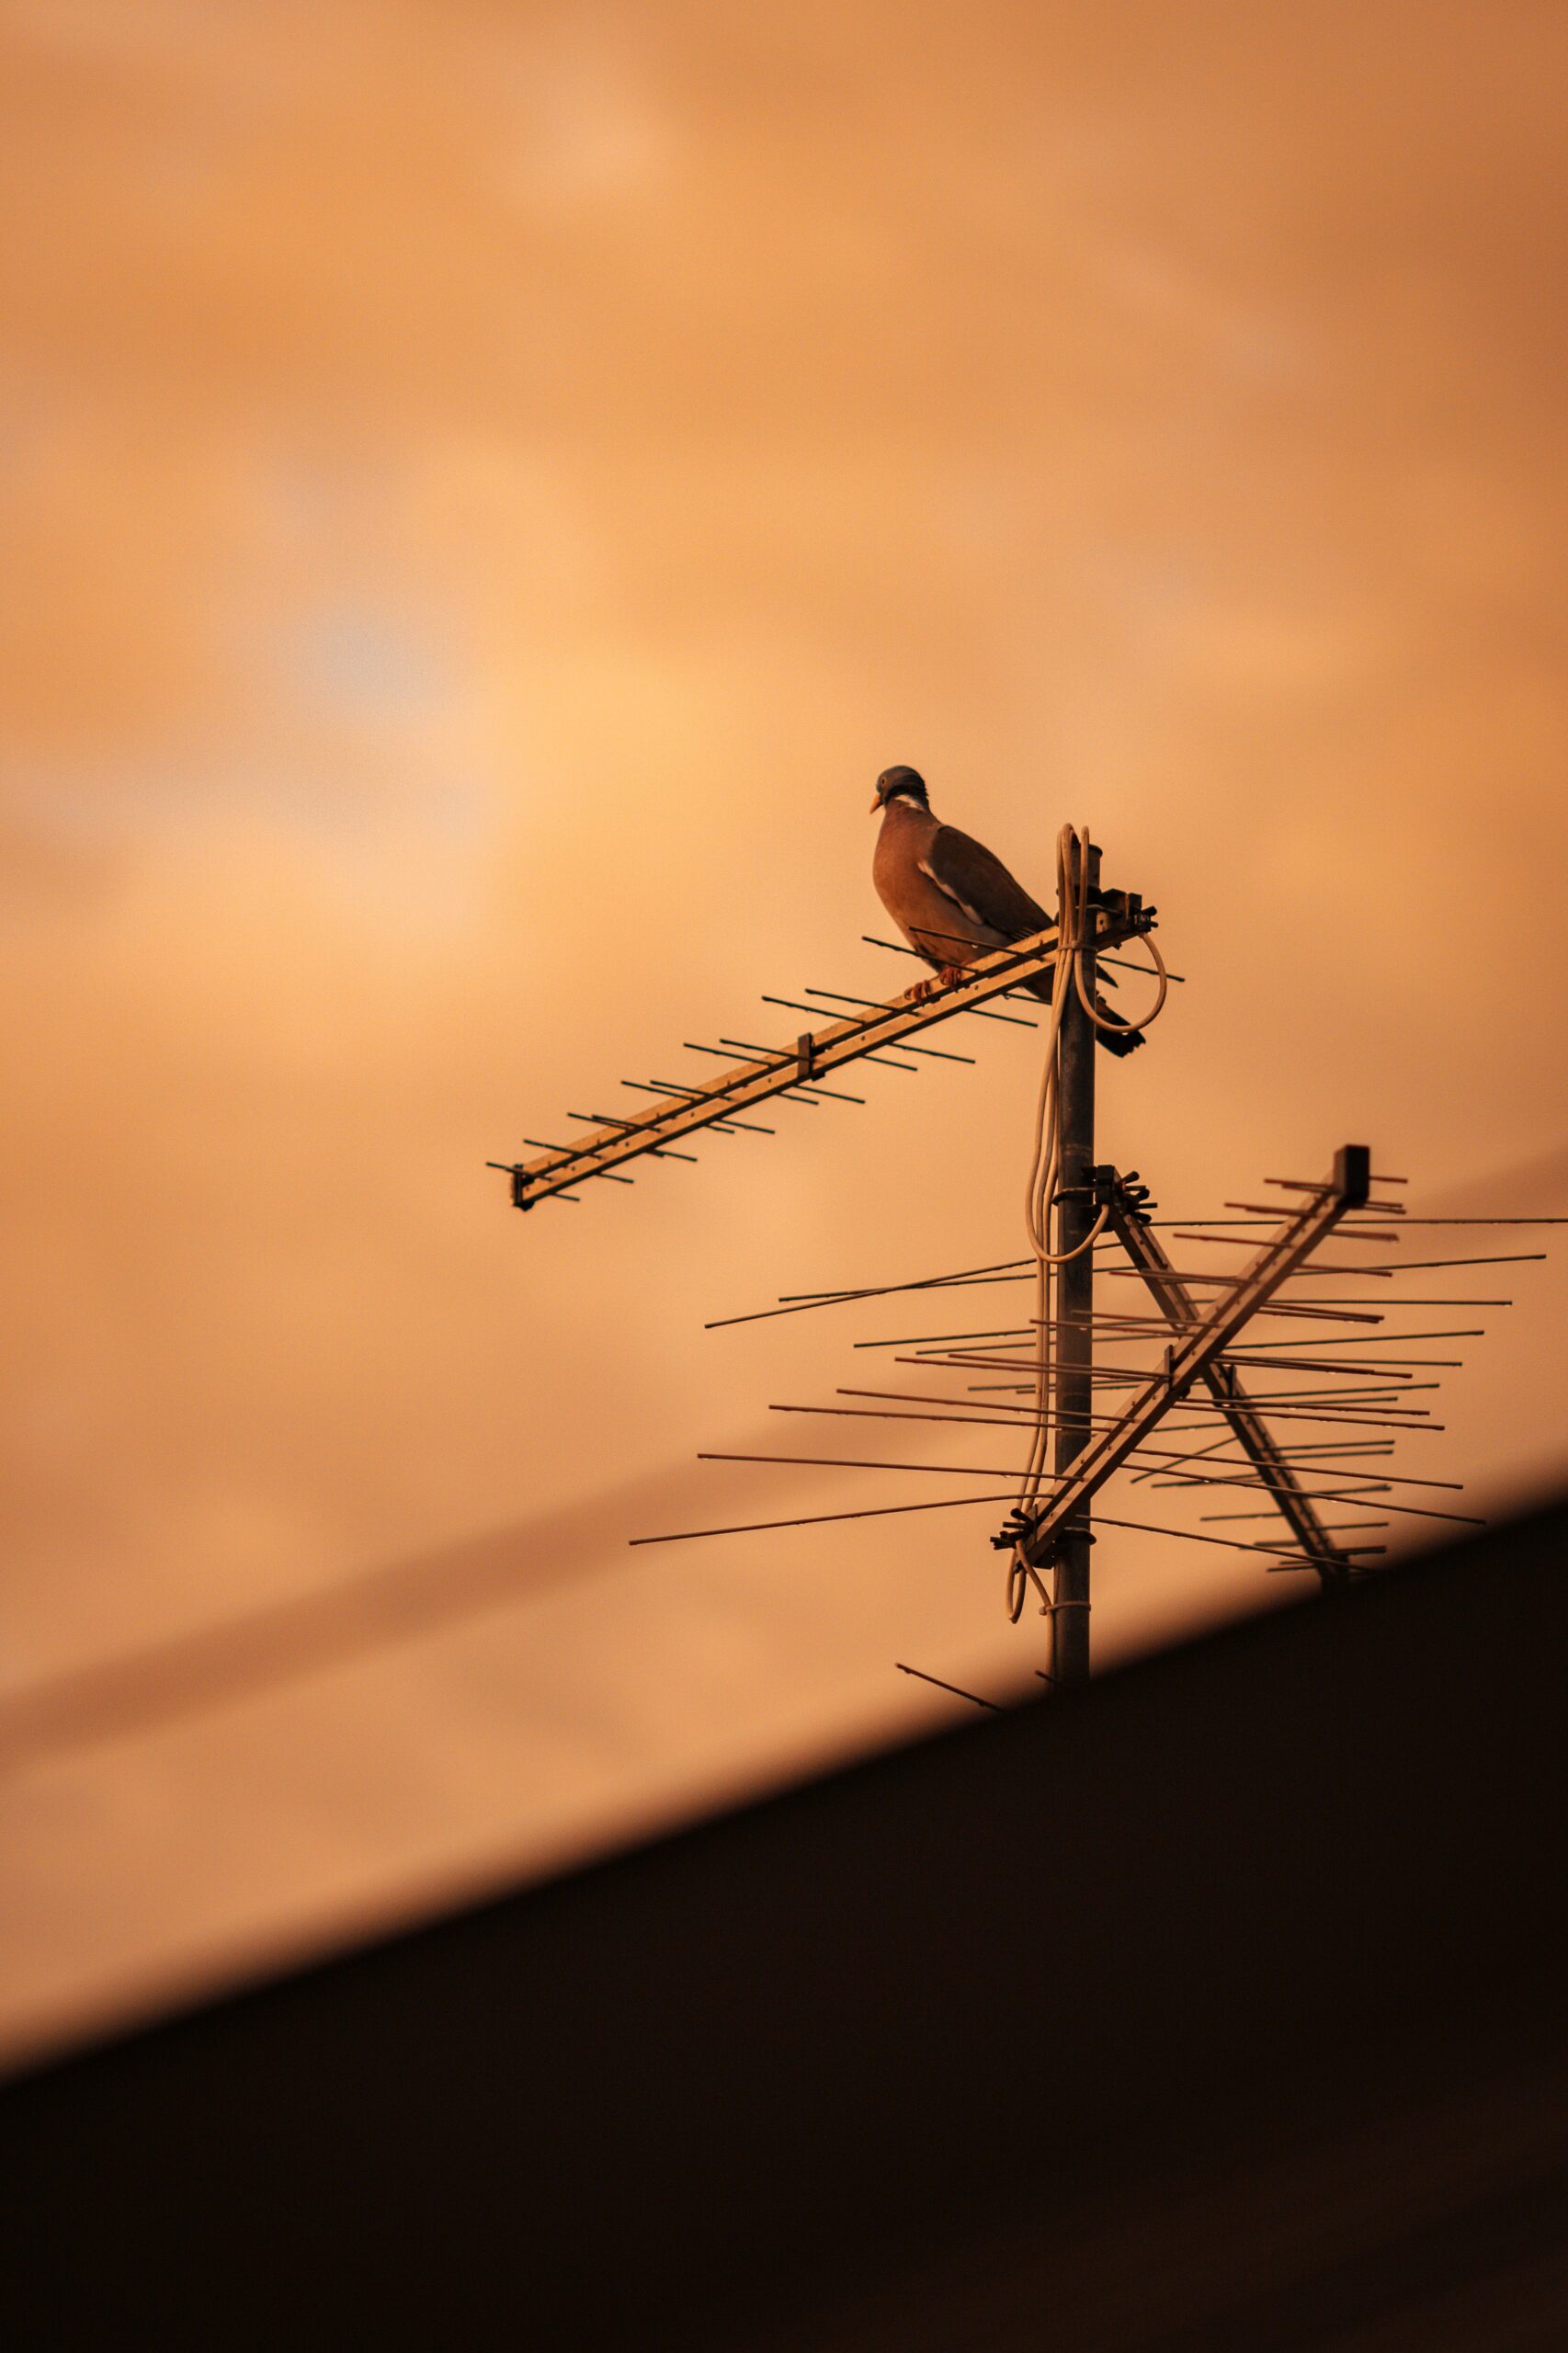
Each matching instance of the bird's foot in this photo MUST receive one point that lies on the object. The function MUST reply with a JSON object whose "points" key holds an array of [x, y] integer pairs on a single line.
{"points": [[943, 978]]}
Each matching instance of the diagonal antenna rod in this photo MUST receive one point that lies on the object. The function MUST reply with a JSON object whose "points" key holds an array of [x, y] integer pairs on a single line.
{"points": [[776, 1070], [1202, 1339], [920, 1675]]}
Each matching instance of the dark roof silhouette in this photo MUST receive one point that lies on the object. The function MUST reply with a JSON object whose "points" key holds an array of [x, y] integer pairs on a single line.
{"points": [[1219, 2007]]}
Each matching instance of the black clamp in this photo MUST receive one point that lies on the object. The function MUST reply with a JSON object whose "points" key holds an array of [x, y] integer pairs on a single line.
{"points": [[1021, 1526], [1125, 908], [1110, 1188]]}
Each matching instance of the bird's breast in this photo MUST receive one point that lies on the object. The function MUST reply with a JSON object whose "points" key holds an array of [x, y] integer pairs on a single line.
{"points": [[927, 917]]}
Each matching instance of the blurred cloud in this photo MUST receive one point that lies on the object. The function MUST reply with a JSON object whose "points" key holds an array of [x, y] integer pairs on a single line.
{"points": [[485, 490], [242, 1657]]}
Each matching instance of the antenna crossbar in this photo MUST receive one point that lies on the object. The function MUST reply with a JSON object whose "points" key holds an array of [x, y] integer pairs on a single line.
{"points": [[781, 1071], [1257, 1440], [1200, 1345]]}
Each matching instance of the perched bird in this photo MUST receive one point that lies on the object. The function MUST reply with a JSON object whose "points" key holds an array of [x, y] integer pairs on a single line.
{"points": [[950, 897]]}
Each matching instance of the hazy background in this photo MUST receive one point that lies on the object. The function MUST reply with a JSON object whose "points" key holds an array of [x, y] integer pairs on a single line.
{"points": [[485, 490]]}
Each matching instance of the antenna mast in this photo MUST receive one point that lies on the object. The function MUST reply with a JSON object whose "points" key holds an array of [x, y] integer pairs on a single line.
{"points": [[1075, 1214]]}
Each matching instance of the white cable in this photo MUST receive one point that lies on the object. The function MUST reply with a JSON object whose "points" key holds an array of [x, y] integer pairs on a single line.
{"points": [[1144, 1020]]}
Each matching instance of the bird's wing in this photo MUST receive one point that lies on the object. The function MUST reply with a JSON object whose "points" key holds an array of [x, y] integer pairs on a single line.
{"points": [[979, 885]]}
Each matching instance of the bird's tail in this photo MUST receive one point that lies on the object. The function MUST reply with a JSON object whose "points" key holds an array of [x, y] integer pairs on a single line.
{"points": [[1120, 1037]]}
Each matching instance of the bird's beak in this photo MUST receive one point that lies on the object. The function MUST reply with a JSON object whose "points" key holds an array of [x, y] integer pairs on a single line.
{"points": [[876, 802]]}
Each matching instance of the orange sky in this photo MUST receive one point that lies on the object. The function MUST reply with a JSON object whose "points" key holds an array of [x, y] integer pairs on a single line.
{"points": [[486, 489]]}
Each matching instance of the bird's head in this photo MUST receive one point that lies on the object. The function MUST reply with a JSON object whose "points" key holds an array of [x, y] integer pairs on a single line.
{"points": [[900, 784]]}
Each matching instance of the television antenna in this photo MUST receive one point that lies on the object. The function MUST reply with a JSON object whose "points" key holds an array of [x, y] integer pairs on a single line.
{"points": [[1081, 1210]]}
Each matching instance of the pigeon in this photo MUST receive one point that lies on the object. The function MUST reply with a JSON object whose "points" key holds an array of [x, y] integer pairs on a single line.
{"points": [[951, 898]]}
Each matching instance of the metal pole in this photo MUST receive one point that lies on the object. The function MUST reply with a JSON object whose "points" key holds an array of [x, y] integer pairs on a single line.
{"points": [[1075, 1301]]}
